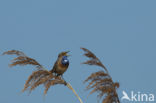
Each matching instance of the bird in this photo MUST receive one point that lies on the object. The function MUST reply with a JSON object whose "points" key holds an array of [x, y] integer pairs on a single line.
{"points": [[61, 64]]}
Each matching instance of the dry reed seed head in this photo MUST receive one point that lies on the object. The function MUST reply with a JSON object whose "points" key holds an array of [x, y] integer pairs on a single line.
{"points": [[101, 86], [24, 60], [53, 82], [89, 53], [93, 59], [96, 75], [91, 62], [98, 82], [14, 52], [40, 81], [35, 79], [116, 85], [101, 82], [42, 77], [27, 60], [107, 99]]}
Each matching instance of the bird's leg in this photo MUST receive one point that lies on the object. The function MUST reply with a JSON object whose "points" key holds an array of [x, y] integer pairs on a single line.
{"points": [[55, 74]]}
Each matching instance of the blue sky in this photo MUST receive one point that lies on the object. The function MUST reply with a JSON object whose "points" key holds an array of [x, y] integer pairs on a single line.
{"points": [[121, 33]]}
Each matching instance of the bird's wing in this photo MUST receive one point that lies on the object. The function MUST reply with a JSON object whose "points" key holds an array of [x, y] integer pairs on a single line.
{"points": [[54, 67]]}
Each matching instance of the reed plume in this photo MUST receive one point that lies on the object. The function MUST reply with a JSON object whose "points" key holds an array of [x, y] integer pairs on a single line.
{"points": [[22, 59], [39, 76], [101, 81]]}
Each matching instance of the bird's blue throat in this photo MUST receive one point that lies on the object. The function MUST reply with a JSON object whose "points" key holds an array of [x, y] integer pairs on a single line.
{"points": [[65, 60]]}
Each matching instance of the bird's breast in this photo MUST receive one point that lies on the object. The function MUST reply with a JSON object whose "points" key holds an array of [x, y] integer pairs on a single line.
{"points": [[62, 68]]}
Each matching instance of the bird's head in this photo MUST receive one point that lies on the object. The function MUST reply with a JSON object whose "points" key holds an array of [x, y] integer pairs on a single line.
{"points": [[64, 57], [64, 54]]}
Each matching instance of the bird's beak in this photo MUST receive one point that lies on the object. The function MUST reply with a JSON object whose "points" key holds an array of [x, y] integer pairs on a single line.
{"points": [[67, 53]]}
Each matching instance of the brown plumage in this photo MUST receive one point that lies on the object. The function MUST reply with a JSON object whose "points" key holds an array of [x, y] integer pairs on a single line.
{"points": [[101, 81]]}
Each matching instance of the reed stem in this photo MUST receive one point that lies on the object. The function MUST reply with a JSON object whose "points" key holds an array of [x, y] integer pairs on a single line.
{"points": [[71, 88]]}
